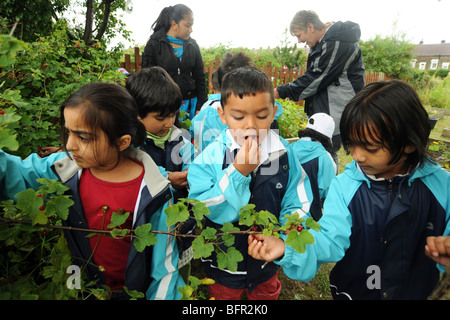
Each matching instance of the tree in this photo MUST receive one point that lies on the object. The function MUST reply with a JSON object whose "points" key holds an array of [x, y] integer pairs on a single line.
{"points": [[391, 55], [288, 54], [36, 18]]}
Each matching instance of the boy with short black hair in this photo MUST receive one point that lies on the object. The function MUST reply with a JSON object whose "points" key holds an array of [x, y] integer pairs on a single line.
{"points": [[247, 163]]}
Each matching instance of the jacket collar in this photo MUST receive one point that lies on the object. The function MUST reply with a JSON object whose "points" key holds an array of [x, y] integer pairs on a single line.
{"points": [[355, 172], [66, 168], [271, 147]]}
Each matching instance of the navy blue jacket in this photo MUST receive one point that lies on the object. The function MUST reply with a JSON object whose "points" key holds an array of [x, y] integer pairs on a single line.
{"points": [[375, 229]]}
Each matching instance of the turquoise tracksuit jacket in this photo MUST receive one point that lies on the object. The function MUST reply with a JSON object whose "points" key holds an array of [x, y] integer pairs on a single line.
{"points": [[154, 271], [281, 187], [384, 223]]}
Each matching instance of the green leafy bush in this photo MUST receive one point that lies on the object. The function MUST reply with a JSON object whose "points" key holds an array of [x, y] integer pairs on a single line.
{"points": [[37, 77], [292, 120]]}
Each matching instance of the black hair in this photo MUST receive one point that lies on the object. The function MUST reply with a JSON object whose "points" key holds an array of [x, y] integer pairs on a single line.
{"points": [[168, 14], [316, 136], [231, 62], [154, 91], [108, 107], [244, 82], [391, 114], [215, 80]]}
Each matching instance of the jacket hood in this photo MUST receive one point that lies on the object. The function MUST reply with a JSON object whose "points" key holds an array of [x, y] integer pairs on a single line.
{"points": [[343, 31], [308, 149]]}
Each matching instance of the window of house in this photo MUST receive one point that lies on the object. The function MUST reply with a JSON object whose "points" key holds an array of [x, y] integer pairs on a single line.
{"points": [[445, 65], [422, 65], [434, 64], [413, 63]]}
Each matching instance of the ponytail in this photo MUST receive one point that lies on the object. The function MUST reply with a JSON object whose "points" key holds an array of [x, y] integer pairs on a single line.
{"points": [[168, 14]]}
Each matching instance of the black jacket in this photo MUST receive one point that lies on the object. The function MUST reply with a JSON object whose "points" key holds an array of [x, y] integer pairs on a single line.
{"points": [[334, 74], [189, 73]]}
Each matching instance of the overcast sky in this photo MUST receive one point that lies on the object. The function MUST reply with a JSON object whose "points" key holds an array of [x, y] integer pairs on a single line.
{"points": [[256, 23]]}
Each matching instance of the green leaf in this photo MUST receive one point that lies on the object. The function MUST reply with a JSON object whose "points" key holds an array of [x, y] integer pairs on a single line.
{"points": [[201, 249], [53, 186], [134, 294], [299, 241], [176, 213], [62, 205], [227, 238], [30, 204], [247, 215], [118, 219], [186, 292], [144, 237], [8, 140], [209, 233], [312, 224], [200, 210], [119, 233], [264, 217], [230, 259]]}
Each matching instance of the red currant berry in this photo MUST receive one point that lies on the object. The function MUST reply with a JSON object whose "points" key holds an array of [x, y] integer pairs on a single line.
{"points": [[2, 112], [299, 228], [39, 195], [42, 207]]}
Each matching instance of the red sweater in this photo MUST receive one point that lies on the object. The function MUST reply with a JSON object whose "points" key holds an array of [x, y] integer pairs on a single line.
{"points": [[109, 254]]}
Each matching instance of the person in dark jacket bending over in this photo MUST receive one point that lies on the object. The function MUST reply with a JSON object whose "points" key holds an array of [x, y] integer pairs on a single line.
{"points": [[171, 47], [335, 69]]}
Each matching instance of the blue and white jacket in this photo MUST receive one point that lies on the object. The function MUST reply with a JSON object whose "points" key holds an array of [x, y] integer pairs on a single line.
{"points": [[153, 271], [378, 224], [320, 168], [279, 185]]}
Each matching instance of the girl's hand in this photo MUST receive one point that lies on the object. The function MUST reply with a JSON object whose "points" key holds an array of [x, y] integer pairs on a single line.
{"points": [[266, 248], [178, 179], [438, 249], [248, 157]]}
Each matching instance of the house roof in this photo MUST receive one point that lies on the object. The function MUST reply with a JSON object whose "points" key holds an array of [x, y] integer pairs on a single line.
{"points": [[440, 49]]}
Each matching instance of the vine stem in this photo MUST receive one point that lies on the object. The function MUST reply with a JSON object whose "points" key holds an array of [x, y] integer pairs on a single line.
{"points": [[131, 231]]}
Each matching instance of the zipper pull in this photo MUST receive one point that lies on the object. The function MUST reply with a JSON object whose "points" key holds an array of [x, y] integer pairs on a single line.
{"points": [[179, 71]]}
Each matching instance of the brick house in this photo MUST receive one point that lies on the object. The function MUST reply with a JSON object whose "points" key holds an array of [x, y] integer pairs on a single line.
{"points": [[431, 56]]}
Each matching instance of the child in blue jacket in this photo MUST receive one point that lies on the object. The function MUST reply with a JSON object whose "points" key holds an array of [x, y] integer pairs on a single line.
{"points": [[207, 125], [104, 170], [380, 212], [312, 151], [158, 100], [247, 163]]}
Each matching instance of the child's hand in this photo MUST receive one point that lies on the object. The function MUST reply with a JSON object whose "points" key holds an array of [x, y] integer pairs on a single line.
{"points": [[248, 157], [438, 249], [178, 179], [267, 248]]}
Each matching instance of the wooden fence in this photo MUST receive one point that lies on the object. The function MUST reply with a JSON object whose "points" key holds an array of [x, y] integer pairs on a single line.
{"points": [[279, 76]]}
